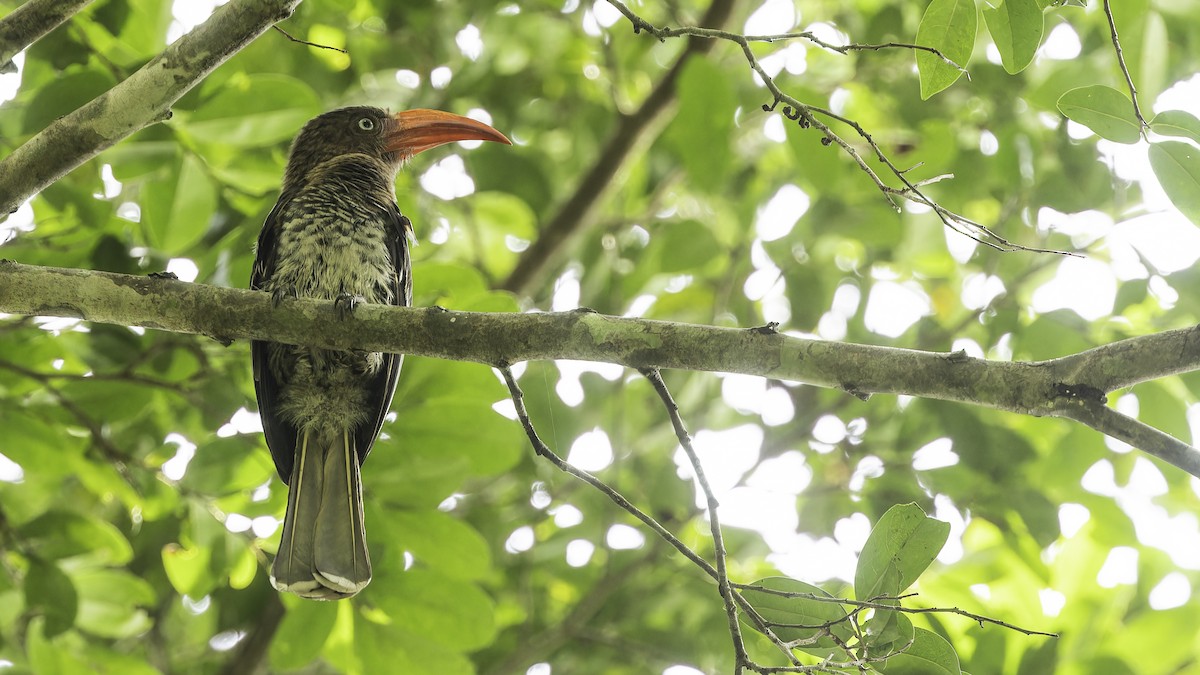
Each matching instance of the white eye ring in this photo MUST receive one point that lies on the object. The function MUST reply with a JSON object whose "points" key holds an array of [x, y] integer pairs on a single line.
{"points": [[366, 124]]}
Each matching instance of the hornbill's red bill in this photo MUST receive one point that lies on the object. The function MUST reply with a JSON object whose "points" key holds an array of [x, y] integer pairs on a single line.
{"points": [[337, 234]]}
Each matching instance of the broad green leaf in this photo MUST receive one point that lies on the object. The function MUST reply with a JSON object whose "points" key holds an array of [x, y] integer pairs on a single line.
{"points": [[188, 569], [900, 547], [702, 131], [302, 633], [228, 465], [1104, 110], [1176, 123], [799, 610], [63, 95], [1016, 27], [440, 542], [50, 594], [683, 246], [948, 26], [1177, 167], [67, 534], [888, 631], [389, 648], [43, 657], [177, 207], [431, 607], [254, 111], [929, 654], [112, 602]]}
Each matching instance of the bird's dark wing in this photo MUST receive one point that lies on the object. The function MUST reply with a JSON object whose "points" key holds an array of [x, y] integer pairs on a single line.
{"points": [[281, 436], [383, 385]]}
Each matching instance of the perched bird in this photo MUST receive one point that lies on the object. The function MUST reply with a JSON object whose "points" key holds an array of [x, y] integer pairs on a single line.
{"points": [[336, 234]]}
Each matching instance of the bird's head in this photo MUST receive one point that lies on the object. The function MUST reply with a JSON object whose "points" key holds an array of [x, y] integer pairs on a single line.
{"points": [[391, 138]]}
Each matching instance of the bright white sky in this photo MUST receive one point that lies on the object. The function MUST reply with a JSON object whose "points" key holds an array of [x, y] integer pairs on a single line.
{"points": [[762, 496]]}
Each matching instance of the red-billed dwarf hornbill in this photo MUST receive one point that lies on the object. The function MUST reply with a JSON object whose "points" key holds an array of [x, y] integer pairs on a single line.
{"points": [[336, 234]]}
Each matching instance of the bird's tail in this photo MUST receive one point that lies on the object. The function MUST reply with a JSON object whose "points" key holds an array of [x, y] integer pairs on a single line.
{"points": [[323, 552]]}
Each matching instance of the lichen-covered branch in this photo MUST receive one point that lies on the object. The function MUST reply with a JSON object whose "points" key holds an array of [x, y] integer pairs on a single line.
{"points": [[1051, 387], [142, 99], [27, 24]]}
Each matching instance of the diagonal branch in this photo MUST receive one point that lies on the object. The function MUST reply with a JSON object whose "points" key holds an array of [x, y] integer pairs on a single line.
{"points": [[575, 213], [1137, 434], [27, 24], [143, 99]]}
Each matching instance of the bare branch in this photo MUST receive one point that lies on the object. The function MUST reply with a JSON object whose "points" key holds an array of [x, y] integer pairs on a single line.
{"points": [[143, 99], [29, 22]]}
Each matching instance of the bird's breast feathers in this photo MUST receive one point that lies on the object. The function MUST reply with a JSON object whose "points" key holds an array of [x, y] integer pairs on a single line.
{"points": [[327, 248]]}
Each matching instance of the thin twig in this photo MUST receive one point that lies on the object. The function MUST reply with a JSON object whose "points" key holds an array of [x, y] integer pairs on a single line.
{"points": [[714, 521], [306, 42], [803, 114], [881, 603], [518, 398], [542, 450], [1112, 29]]}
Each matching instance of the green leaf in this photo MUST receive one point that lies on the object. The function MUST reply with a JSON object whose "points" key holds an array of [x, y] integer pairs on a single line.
{"points": [[111, 603], [1177, 166], [254, 111], [901, 545], [454, 614], [799, 610], [177, 207], [1016, 27], [701, 133], [1176, 123], [929, 654], [188, 569], [65, 534], [888, 631], [440, 542], [228, 465], [1104, 110], [63, 95], [50, 594], [948, 26], [682, 246], [42, 655], [302, 633]]}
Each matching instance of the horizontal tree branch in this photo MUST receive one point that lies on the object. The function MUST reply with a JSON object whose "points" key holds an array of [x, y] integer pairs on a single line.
{"points": [[29, 22], [1057, 387], [142, 99]]}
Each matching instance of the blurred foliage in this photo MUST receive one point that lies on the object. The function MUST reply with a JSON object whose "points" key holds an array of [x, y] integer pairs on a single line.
{"points": [[111, 567]]}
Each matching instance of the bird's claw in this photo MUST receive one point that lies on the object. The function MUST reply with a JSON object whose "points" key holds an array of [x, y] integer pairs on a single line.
{"points": [[170, 276], [282, 292], [346, 303]]}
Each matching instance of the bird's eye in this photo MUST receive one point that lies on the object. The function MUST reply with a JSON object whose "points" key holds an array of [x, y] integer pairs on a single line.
{"points": [[366, 124]]}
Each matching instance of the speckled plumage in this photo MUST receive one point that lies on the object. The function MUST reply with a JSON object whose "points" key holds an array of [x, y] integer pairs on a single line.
{"points": [[336, 234]]}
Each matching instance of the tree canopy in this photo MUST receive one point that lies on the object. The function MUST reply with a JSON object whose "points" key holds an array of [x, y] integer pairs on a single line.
{"points": [[956, 238]]}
